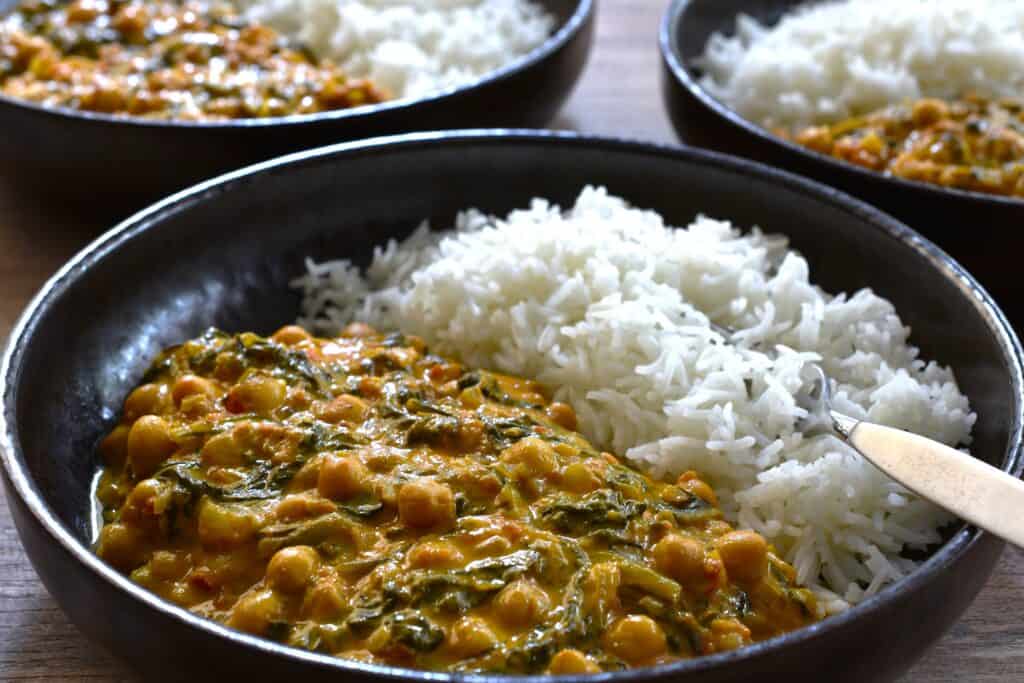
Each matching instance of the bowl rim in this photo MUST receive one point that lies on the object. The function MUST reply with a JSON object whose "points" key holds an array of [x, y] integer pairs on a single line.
{"points": [[25, 488], [672, 57], [563, 34]]}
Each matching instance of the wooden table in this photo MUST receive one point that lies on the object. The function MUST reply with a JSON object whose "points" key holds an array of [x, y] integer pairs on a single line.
{"points": [[618, 96]]}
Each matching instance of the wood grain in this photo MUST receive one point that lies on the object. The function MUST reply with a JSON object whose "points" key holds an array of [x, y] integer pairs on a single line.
{"points": [[618, 96]]}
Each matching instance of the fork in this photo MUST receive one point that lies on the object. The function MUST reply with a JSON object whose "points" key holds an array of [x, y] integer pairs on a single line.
{"points": [[973, 490]]}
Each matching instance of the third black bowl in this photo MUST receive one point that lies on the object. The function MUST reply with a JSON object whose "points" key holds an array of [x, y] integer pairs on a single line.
{"points": [[103, 160], [980, 230]]}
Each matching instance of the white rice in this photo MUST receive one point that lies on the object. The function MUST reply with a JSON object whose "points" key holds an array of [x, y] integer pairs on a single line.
{"points": [[832, 60], [410, 47], [610, 307]]}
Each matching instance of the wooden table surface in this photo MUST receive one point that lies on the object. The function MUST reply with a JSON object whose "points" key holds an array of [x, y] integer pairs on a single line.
{"points": [[618, 96]]}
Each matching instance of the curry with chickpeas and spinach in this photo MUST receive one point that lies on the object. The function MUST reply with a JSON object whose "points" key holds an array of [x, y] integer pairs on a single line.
{"points": [[973, 143], [197, 60], [362, 497]]}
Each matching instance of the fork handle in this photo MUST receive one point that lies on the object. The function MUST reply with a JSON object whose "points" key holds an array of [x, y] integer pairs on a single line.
{"points": [[971, 489]]}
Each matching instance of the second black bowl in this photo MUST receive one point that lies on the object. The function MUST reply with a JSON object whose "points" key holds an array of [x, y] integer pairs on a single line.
{"points": [[981, 231], [99, 161]]}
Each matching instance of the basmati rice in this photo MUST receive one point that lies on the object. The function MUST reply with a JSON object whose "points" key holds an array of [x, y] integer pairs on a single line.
{"points": [[611, 308]]}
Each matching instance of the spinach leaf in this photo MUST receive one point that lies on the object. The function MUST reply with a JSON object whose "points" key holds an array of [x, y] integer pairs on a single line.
{"points": [[601, 509]]}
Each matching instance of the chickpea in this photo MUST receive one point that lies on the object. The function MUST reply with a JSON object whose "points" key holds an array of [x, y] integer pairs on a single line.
{"points": [[254, 611], [342, 477], [228, 367], [434, 554], [680, 557], [636, 639], [291, 569], [114, 446], [471, 636], [148, 399], [570, 661], [167, 565], [425, 503], [148, 445], [258, 394], [744, 554], [562, 415], [302, 506], [222, 527], [928, 111], [692, 484], [121, 546], [579, 478], [146, 503], [221, 450], [521, 604], [729, 634], [534, 455], [347, 408], [324, 601], [290, 335], [191, 385]]}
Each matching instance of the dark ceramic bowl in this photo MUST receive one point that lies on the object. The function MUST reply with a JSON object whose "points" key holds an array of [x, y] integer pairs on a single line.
{"points": [[93, 160], [982, 231], [180, 266]]}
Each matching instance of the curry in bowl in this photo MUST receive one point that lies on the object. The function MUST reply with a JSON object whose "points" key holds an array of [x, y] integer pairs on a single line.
{"points": [[363, 497]]}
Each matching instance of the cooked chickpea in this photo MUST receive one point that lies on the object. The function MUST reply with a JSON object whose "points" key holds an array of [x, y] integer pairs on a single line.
{"points": [[347, 408], [148, 445], [424, 503], [562, 415], [148, 399], [168, 565], [191, 385], [302, 506], [146, 502], [290, 335], [324, 601], [521, 604], [254, 611], [636, 639], [434, 554], [535, 455], [222, 527], [680, 557], [471, 636], [257, 394], [694, 485], [927, 111], [342, 477], [221, 450], [729, 634], [121, 546], [579, 478], [291, 569], [744, 554], [570, 661], [114, 445]]}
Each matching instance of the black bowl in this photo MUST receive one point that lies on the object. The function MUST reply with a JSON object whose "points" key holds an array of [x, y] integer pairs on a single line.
{"points": [[980, 230], [167, 273], [95, 160]]}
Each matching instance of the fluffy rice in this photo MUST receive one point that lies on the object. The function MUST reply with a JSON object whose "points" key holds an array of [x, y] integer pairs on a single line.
{"points": [[610, 307], [828, 61], [410, 47]]}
